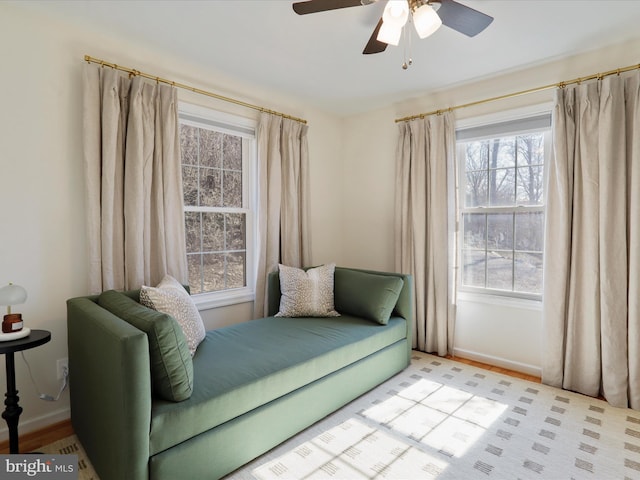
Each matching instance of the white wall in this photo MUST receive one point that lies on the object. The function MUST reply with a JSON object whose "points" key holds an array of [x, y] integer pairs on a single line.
{"points": [[368, 190], [42, 240]]}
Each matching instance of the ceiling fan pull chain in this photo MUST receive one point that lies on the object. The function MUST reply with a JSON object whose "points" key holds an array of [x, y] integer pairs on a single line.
{"points": [[406, 45], [410, 35]]}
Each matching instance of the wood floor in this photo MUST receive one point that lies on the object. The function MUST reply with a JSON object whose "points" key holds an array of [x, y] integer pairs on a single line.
{"points": [[504, 371], [34, 440]]}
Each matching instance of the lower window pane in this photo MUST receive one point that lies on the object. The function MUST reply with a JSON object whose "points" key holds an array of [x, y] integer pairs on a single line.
{"points": [[500, 270], [213, 272], [212, 232], [529, 231], [235, 231], [500, 231], [475, 230], [236, 277], [473, 268], [192, 232], [194, 263], [528, 267]]}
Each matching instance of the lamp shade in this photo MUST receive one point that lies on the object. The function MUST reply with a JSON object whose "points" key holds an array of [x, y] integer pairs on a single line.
{"points": [[389, 34], [426, 20], [12, 295], [396, 13]]}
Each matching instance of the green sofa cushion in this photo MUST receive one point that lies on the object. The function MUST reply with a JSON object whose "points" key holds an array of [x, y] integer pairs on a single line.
{"points": [[366, 295], [170, 359], [269, 357]]}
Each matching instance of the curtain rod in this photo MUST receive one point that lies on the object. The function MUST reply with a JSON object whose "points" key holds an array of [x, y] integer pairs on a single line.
{"points": [[599, 76], [138, 73]]}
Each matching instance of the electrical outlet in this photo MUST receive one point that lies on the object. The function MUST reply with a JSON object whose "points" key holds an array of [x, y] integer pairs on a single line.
{"points": [[62, 367]]}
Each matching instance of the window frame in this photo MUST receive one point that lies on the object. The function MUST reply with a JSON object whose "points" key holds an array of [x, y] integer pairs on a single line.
{"points": [[245, 128], [504, 124]]}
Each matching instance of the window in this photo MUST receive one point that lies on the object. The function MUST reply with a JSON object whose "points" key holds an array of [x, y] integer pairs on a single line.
{"points": [[218, 162], [501, 201]]}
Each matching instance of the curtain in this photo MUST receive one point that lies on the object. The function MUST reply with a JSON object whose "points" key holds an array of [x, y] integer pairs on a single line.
{"points": [[134, 203], [592, 240], [425, 213], [283, 200]]}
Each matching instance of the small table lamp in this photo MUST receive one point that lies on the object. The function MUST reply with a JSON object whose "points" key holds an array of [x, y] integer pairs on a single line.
{"points": [[12, 295]]}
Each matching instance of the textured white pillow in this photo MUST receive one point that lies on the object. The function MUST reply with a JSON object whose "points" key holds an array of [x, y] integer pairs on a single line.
{"points": [[307, 294], [171, 298]]}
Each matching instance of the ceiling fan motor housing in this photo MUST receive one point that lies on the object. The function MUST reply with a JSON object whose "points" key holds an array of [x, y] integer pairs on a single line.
{"points": [[416, 4]]}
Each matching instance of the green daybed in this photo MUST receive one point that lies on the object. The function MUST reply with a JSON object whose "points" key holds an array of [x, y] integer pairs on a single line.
{"points": [[255, 384]]}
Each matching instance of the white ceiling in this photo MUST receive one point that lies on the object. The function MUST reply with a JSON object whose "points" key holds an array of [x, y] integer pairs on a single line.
{"points": [[318, 57]]}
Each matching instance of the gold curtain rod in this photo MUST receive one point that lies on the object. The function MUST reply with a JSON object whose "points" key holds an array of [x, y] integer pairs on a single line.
{"points": [[598, 76], [138, 73]]}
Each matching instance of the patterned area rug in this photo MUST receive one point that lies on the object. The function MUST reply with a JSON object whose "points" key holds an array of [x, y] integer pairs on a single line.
{"points": [[446, 420], [71, 446]]}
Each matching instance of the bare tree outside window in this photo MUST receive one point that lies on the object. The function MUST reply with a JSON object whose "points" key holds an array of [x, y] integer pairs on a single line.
{"points": [[502, 213]]}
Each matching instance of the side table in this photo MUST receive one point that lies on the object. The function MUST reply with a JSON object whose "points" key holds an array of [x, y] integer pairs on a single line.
{"points": [[12, 410]]}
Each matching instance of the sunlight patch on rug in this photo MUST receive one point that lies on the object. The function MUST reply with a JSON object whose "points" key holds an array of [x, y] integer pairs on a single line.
{"points": [[351, 450], [440, 419], [444, 419]]}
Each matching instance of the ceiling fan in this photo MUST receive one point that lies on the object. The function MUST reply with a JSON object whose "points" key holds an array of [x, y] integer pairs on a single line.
{"points": [[426, 15]]}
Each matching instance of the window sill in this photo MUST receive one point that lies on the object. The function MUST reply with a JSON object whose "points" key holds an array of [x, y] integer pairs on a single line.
{"points": [[207, 301], [502, 300]]}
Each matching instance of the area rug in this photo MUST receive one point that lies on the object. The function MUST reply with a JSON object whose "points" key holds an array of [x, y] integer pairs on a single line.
{"points": [[441, 419], [445, 420], [71, 446]]}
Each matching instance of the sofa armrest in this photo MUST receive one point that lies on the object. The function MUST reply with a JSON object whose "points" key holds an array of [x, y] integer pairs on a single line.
{"points": [[110, 387], [273, 293], [405, 304]]}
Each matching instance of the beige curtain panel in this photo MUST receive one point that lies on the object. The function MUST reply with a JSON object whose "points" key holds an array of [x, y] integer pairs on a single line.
{"points": [[425, 226], [592, 242], [283, 200], [134, 203]]}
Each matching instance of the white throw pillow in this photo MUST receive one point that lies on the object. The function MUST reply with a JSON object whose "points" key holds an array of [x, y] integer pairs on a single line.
{"points": [[307, 294], [171, 298]]}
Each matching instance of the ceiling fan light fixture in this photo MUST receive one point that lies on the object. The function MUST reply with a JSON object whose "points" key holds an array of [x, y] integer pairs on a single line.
{"points": [[426, 20], [390, 34], [396, 13]]}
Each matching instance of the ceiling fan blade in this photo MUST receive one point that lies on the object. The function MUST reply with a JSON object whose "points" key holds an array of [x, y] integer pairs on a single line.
{"points": [[314, 6], [462, 18], [374, 45]]}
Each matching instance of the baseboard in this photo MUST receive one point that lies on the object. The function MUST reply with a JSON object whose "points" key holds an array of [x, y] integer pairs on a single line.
{"points": [[499, 362], [37, 423]]}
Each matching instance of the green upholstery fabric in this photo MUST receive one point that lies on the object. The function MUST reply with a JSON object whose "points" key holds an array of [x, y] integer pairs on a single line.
{"points": [[366, 295], [171, 363], [307, 349], [111, 394], [222, 449]]}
